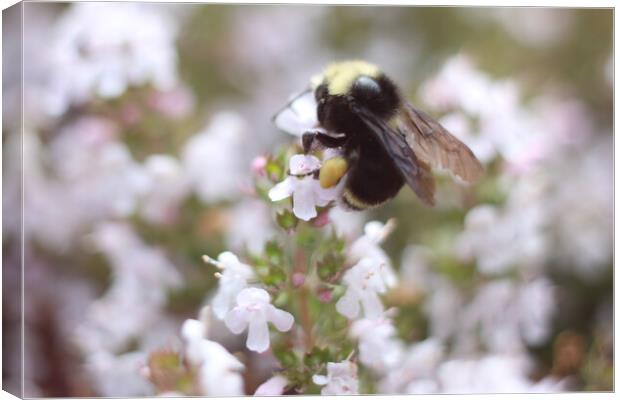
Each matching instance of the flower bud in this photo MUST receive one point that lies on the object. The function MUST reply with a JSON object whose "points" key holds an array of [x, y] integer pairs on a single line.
{"points": [[298, 279], [325, 295]]}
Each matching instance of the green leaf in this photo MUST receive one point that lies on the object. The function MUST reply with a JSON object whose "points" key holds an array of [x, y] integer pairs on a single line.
{"points": [[287, 220]]}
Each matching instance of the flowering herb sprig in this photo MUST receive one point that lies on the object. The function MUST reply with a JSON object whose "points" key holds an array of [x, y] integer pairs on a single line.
{"points": [[296, 301], [324, 306]]}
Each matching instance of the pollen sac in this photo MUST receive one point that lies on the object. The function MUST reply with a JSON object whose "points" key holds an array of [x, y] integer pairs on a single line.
{"points": [[331, 172]]}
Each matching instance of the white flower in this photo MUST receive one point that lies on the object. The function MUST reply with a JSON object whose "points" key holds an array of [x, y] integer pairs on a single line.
{"points": [[273, 386], [133, 303], [443, 307], [98, 176], [507, 316], [367, 246], [501, 239], [590, 171], [233, 278], [115, 375], [536, 307], [300, 116], [250, 226], [212, 158], [306, 191], [219, 371], [346, 223], [341, 379], [102, 48], [164, 171], [253, 311], [493, 373], [415, 370], [364, 281], [377, 344]]}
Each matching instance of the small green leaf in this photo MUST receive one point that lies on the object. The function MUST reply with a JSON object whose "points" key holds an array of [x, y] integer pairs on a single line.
{"points": [[286, 220], [274, 252]]}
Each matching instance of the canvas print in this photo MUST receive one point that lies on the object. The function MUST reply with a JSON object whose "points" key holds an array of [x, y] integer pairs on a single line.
{"points": [[264, 200]]}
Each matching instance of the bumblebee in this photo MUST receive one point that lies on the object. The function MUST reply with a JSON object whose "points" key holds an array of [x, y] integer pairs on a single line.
{"points": [[384, 141]]}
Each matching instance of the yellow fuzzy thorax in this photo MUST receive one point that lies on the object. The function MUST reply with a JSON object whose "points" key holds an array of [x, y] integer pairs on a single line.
{"points": [[340, 76]]}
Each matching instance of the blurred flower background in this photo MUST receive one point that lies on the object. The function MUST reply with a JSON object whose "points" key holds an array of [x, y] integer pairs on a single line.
{"points": [[144, 125]]}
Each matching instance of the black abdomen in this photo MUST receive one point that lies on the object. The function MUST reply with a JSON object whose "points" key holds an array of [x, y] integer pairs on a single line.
{"points": [[373, 179]]}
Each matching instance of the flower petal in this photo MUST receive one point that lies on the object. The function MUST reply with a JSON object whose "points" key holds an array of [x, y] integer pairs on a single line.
{"points": [[301, 164], [221, 303], [374, 230], [236, 320], [319, 380], [373, 307], [303, 200], [273, 386], [228, 258], [253, 296], [282, 320], [348, 305], [258, 335], [193, 330], [282, 190], [324, 196]]}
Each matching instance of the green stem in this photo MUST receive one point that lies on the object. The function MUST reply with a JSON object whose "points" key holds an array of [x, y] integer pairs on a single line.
{"points": [[303, 299]]}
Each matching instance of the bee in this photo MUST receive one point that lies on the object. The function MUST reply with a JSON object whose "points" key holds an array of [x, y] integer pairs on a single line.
{"points": [[384, 141]]}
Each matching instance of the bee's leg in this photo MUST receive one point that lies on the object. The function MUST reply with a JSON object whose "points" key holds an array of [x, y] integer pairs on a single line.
{"points": [[328, 140]]}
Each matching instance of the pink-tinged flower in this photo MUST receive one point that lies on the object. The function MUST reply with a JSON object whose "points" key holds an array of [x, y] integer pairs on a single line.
{"points": [[306, 191], [322, 219], [325, 295], [298, 279], [174, 103], [253, 311], [273, 386], [341, 379], [258, 165], [233, 278], [219, 372], [364, 282]]}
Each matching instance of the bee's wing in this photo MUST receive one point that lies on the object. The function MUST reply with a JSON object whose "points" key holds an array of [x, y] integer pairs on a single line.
{"points": [[433, 144], [417, 174]]}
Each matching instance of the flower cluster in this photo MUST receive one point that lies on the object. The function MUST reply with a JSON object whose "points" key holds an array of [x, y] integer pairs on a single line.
{"points": [[137, 157]]}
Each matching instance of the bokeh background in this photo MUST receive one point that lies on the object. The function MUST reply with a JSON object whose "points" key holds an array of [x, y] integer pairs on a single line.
{"points": [[141, 122]]}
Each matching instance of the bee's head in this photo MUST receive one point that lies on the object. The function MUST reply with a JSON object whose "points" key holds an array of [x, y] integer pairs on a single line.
{"points": [[356, 81]]}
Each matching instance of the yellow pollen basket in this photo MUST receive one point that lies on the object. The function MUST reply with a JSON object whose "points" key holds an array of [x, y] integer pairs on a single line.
{"points": [[340, 76], [331, 172]]}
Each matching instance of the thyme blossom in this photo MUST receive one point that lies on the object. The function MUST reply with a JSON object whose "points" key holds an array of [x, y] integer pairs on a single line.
{"points": [[341, 378], [306, 191], [233, 278], [364, 283], [253, 311], [219, 371]]}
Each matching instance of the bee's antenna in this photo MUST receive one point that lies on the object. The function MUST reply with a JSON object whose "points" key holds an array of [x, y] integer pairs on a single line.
{"points": [[291, 101]]}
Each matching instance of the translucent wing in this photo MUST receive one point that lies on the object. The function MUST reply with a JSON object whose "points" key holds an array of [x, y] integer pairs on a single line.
{"points": [[433, 144], [417, 174]]}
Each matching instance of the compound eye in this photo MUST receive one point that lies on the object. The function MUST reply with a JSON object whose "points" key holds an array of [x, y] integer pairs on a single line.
{"points": [[367, 86]]}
